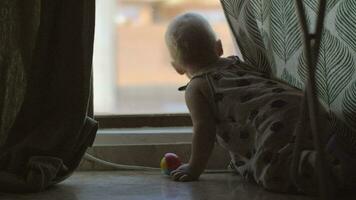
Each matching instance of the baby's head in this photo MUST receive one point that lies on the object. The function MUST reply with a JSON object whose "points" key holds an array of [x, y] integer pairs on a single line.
{"points": [[192, 43]]}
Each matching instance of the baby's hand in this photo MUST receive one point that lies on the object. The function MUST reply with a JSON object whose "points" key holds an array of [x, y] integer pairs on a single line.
{"points": [[184, 173]]}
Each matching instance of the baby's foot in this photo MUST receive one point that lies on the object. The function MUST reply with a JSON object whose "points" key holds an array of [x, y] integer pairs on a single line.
{"points": [[345, 153]]}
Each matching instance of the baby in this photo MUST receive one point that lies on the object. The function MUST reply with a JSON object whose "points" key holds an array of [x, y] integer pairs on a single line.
{"points": [[251, 115]]}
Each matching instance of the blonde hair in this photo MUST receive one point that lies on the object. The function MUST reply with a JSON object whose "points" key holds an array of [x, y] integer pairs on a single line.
{"points": [[191, 40]]}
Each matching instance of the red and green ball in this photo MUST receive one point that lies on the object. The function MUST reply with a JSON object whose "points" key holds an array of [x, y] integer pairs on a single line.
{"points": [[169, 163]]}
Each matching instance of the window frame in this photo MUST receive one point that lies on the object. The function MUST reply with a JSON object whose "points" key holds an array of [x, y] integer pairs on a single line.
{"points": [[143, 120]]}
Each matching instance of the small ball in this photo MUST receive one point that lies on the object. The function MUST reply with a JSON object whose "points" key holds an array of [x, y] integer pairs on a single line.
{"points": [[170, 162]]}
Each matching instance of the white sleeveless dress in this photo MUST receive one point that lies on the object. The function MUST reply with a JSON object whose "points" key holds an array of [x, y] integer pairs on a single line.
{"points": [[256, 117]]}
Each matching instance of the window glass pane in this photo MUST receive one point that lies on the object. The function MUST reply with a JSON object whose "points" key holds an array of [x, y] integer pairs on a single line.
{"points": [[132, 72]]}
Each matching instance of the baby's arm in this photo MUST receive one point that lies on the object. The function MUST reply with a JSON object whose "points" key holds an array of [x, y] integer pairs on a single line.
{"points": [[204, 128]]}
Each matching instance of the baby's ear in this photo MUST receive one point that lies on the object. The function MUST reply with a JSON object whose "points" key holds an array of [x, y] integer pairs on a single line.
{"points": [[178, 68], [219, 48]]}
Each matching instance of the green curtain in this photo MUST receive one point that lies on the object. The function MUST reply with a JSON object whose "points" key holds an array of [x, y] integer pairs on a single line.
{"points": [[269, 36], [46, 51]]}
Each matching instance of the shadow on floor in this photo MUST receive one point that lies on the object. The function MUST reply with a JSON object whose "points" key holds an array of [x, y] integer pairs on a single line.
{"points": [[119, 185]]}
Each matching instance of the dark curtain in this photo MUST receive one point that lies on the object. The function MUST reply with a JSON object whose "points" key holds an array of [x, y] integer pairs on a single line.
{"points": [[46, 51]]}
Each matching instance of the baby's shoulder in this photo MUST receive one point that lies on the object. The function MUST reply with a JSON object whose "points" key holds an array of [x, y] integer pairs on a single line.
{"points": [[198, 85]]}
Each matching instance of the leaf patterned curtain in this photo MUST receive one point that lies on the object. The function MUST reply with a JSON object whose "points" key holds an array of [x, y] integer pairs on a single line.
{"points": [[269, 37]]}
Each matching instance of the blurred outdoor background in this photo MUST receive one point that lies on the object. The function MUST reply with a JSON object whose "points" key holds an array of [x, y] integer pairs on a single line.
{"points": [[132, 72]]}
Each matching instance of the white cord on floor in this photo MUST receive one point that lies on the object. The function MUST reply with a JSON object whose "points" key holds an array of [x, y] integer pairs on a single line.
{"points": [[117, 166], [92, 158]]}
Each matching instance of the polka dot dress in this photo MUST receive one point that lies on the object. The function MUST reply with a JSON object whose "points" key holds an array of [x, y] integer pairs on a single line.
{"points": [[256, 117]]}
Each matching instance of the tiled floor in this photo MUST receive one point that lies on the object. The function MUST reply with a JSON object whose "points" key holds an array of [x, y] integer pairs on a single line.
{"points": [[151, 186]]}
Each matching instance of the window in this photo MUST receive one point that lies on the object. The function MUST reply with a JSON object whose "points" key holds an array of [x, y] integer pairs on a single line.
{"points": [[132, 72]]}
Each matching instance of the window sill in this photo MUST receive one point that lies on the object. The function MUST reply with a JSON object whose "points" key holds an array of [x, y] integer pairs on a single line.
{"points": [[143, 120], [145, 147], [143, 136]]}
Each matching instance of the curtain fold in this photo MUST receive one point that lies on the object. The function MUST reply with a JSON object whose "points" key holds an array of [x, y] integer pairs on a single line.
{"points": [[45, 69]]}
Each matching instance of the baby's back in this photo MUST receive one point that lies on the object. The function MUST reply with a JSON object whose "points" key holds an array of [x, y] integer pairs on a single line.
{"points": [[256, 114], [247, 103]]}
